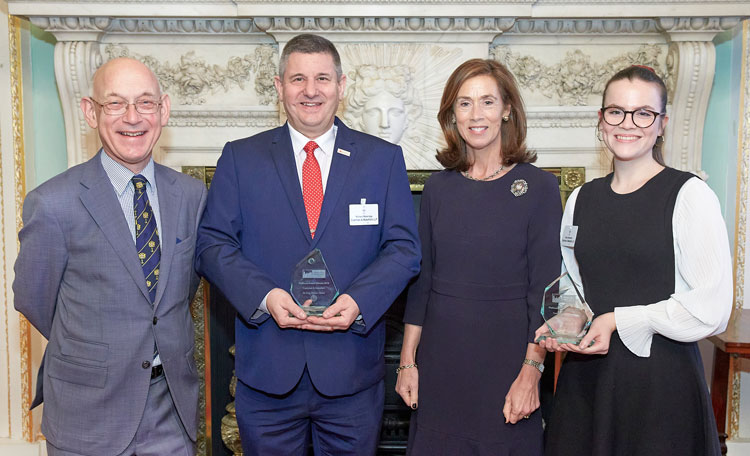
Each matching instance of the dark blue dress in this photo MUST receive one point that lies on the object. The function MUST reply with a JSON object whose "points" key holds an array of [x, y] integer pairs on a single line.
{"points": [[487, 256]]}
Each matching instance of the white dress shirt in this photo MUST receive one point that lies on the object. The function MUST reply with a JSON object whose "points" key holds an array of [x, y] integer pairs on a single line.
{"points": [[702, 301]]}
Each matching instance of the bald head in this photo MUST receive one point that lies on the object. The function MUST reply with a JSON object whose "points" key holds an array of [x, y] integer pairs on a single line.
{"points": [[122, 65], [128, 110]]}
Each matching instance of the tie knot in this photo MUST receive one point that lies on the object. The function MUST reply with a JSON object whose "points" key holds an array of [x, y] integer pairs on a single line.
{"points": [[310, 147], [139, 181]]}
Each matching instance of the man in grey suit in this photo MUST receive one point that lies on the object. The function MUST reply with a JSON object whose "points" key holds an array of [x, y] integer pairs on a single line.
{"points": [[105, 273]]}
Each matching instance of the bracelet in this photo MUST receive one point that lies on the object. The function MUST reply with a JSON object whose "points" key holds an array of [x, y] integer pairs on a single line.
{"points": [[408, 366], [536, 364]]}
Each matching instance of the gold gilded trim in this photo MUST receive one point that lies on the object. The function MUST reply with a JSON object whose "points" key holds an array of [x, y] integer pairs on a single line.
{"points": [[740, 224], [16, 88], [5, 281], [743, 171], [734, 398], [201, 362]]}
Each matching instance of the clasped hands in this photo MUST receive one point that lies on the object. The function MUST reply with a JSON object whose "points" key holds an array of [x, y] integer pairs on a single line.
{"points": [[595, 342], [284, 310]]}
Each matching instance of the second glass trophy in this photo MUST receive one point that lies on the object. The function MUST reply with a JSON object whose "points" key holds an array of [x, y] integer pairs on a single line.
{"points": [[565, 312], [312, 285]]}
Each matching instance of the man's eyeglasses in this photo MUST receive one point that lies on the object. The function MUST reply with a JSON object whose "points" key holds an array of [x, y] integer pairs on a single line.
{"points": [[120, 107], [642, 118]]}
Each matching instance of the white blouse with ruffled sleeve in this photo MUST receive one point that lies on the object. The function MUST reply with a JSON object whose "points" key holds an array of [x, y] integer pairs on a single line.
{"points": [[702, 301]]}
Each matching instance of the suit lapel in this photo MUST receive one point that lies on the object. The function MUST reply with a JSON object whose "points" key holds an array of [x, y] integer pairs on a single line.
{"points": [[101, 202], [340, 166], [283, 157], [170, 201]]}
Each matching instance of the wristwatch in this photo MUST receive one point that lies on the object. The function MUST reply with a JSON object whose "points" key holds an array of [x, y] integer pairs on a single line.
{"points": [[533, 363]]}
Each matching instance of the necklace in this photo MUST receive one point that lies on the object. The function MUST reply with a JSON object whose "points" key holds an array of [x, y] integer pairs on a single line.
{"points": [[468, 176]]}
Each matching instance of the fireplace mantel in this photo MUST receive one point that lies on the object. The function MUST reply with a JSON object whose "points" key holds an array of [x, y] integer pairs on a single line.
{"points": [[217, 58]]}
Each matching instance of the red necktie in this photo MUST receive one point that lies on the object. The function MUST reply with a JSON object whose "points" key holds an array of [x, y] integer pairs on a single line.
{"points": [[312, 186]]}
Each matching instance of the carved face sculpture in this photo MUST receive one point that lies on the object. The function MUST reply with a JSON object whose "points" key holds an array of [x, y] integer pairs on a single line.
{"points": [[384, 115], [627, 141], [310, 92], [128, 138]]}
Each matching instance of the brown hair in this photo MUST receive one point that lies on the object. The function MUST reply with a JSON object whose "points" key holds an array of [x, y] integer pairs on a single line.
{"points": [[646, 74], [513, 132], [308, 43]]}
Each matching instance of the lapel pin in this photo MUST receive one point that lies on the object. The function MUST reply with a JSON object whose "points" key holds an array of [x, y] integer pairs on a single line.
{"points": [[343, 152]]}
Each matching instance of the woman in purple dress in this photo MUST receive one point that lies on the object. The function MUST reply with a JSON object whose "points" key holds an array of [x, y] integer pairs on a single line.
{"points": [[489, 224]]}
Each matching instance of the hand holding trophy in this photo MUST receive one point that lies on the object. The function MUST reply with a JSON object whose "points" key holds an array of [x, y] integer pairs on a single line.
{"points": [[565, 312], [312, 285]]}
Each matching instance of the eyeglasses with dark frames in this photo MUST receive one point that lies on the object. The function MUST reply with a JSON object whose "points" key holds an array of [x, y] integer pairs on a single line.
{"points": [[120, 107], [642, 118]]}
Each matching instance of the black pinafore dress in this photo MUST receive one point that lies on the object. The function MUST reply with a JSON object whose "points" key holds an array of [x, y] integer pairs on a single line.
{"points": [[620, 404]]}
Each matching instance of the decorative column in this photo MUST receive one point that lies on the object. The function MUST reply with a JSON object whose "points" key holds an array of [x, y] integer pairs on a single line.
{"points": [[76, 58], [691, 60]]}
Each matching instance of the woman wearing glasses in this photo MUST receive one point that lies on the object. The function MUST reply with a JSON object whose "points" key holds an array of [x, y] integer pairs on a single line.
{"points": [[649, 245]]}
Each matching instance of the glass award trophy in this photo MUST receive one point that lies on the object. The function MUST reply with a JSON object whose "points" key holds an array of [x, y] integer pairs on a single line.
{"points": [[312, 285], [565, 312]]}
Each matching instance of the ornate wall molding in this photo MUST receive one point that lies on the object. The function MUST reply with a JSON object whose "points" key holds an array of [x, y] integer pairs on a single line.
{"points": [[19, 185], [145, 25], [575, 78], [199, 319], [743, 174], [96, 26], [584, 27], [4, 306], [697, 24], [740, 229], [561, 119], [224, 118], [386, 24], [192, 78]]}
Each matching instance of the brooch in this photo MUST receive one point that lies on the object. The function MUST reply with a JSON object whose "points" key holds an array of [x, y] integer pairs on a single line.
{"points": [[519, 187]]}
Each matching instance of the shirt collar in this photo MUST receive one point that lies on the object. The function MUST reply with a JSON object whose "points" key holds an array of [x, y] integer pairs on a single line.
{"points": [[121, 176], [325, 142]]}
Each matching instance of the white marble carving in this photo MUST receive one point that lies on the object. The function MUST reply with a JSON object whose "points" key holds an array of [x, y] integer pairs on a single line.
{"points": [[574, 79], [394, 92], [216, 118], [192, 79], [75, 63], [382, 100]]}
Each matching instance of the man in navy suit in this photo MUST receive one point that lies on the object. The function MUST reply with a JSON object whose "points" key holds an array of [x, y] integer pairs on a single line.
{"points": [[276, 196]]}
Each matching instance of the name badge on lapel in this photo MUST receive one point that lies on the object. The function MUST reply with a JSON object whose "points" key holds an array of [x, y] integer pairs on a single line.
{"points": [[363, 214]]}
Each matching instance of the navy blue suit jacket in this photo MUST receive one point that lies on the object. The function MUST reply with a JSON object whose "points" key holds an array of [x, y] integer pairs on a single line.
{"points": [[255, 230]]}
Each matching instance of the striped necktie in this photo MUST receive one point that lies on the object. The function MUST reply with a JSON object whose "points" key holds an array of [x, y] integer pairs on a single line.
{"points": [[146, 235]]}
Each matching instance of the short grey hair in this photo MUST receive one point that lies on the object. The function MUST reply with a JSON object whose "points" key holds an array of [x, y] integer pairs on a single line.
{"points": [[310, 44]]}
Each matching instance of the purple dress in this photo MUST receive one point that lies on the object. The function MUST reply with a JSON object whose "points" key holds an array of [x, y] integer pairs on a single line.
{"points": [[487, 255]]}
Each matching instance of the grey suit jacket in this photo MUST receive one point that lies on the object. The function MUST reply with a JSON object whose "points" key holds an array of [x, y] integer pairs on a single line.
{"points": [[79, 282]]}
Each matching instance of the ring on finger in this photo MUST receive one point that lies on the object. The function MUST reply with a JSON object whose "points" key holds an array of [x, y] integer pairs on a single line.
{"points": [[526, 417]]}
